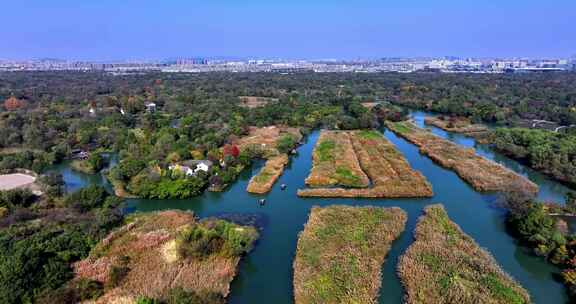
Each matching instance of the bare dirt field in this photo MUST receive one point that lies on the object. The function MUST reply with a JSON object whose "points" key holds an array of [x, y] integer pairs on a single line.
{"points": [[16, 180]]}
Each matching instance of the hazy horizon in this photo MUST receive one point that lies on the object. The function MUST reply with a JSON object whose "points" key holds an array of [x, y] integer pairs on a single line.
{"points": [[145, 30]]}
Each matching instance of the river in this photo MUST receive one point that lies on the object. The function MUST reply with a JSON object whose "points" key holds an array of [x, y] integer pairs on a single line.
{"points": [[265, 275]]}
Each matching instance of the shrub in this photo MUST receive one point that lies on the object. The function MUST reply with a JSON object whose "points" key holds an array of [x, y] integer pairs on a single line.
{"points": [[216, 237], [87, 198], [145, 300], [181, 296], [286, 143], [16, 198]]}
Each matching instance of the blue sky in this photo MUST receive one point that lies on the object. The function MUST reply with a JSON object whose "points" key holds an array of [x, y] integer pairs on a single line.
{"points": [[142, 29]]}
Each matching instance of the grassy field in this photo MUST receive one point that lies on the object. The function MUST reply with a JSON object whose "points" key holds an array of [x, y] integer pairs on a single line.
{"points": [[484, 175], [389, 172], [335, 163], [444, 265], [341, 251], [157, 252], [265, 179]]}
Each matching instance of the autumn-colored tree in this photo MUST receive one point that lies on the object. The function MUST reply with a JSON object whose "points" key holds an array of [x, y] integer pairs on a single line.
{"points": [[231, 150], [13, 103]]}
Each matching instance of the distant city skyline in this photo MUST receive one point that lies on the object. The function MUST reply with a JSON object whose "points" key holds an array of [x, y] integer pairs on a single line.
{"points": [[151, 30]]}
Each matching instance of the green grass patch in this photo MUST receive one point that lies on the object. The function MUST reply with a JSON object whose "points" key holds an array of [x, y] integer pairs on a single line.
{"points": [[370, 134], [347, 178], [263, 177], [501, 291], [401, 127], [325, 150]]}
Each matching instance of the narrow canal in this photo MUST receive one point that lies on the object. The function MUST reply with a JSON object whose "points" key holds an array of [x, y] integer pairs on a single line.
{"points": [[265, 275]]}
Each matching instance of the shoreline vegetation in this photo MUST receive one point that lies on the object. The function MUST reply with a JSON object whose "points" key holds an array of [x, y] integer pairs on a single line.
{"points": [[457, 125], [265, 179], [158, 253], [482, 174], [388, 171], [445, 265], [340, 253], [272, 143]]}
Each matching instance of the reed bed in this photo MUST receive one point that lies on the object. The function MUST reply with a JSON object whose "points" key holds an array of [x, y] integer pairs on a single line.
{"points": [[335, 162], [150, 251], [265, 141], [341, 251], [265, 179], [457, 125], [266, 138], [444, 265], [390, 174], [482, 174]]}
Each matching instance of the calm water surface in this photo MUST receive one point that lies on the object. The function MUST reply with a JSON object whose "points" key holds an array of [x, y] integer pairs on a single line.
{"points": [[265, 275]]}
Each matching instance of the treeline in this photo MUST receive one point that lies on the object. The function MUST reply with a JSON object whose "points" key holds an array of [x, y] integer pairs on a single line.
{"points": [[40, 238], [541, 227], [550, 152], [496, 98]]}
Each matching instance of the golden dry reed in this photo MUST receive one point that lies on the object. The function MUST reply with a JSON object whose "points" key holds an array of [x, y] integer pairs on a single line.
{"points": [[341, 251], [444, 265]]}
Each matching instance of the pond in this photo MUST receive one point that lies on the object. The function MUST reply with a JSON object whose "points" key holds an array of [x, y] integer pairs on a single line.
{"points": [[265, 275]]}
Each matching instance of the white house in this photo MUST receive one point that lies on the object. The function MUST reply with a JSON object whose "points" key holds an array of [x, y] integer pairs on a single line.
{"points": [[151, 107], [184, 169], [203, 165], [199, 165]]}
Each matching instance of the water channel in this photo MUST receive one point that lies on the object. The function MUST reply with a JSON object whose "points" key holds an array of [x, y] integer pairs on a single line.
{"points": [[265, 275]]}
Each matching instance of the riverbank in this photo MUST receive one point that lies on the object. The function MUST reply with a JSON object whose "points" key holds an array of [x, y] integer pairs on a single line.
{"points": [[457, 124], [482, 174], [265, 275], [341, 251], [391, 176], [445, 265]]}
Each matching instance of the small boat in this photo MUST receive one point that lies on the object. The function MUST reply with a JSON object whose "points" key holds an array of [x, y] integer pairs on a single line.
{"points": [[283, 186], [262, 202]]}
